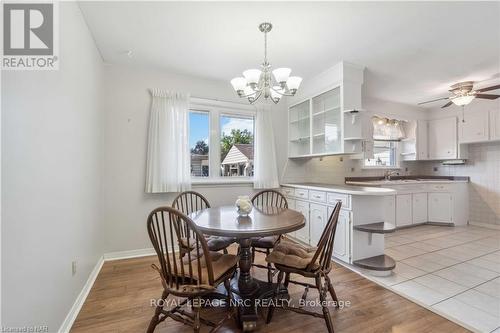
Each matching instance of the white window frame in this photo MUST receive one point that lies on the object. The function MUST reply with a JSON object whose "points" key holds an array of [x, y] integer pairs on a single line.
{"points": [[216, 109], [396, 166]]}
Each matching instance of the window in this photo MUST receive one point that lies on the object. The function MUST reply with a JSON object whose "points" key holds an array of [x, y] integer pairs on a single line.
{"points": [[199, 129], [236, 146], [384, 155], [221, 142]]}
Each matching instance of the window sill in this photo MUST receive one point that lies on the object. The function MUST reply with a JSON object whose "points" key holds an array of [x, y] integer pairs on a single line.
{"points": [[221, 182]]}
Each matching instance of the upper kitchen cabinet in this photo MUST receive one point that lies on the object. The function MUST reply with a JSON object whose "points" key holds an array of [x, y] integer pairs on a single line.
{"points": [[414, 146], [495, 125], [473, 127], [327, 123], [443, 140], [299, 122], [326, 117]]}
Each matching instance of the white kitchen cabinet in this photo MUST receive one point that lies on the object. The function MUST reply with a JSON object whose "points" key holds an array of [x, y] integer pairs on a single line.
{"points": [[303, 233], [442, 139], [440, 207], [422, 142], [318, 218], [403, 210], [327, 123], [419, 207], [299, 135], [495, 125], [342, 242], [473, 127]]}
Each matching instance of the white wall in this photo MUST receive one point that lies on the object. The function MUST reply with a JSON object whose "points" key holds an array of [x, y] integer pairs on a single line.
{"points": [[127, 103], [52, 148]]}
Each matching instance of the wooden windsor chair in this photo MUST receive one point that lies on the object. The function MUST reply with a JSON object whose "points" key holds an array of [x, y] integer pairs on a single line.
{"points": [[190, 274], [267, 198], [289, 257], [190, 201]]}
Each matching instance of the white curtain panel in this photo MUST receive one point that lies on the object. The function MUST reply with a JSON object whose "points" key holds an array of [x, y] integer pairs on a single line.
{"points": [[168, 161], [265, 169]]}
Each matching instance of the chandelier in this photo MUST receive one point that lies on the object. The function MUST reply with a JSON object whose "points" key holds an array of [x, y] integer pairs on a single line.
{"points": [[256, 83]]}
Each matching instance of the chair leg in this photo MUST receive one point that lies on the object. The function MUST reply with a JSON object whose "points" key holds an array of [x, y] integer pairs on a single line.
{"points": [[269, 269], [332, 291], [227, 285], [287, 280], [196, 322], [156, 317], [322, 298], [270, 310]]}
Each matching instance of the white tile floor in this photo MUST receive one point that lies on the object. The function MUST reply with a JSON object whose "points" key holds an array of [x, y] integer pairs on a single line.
{"points": [[454, 270]]}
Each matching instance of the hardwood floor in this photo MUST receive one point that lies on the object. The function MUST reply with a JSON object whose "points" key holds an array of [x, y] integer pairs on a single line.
{"points": [[120, 302]]}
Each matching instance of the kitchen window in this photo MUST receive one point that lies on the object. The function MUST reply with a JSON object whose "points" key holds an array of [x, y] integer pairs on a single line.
{"points": [[385, 155], [221, 143]]}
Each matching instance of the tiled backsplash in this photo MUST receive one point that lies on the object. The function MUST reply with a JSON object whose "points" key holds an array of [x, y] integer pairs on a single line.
{"points": [[483, 168]]}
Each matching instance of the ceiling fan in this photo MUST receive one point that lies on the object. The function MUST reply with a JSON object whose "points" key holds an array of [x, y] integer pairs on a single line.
{"points": [[462, 93]]}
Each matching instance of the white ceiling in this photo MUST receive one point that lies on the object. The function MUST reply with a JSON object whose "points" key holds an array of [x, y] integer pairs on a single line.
{"points": [[412, 51]]}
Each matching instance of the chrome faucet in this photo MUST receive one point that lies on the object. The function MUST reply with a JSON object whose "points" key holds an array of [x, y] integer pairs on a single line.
{"points": [[389, 173]]}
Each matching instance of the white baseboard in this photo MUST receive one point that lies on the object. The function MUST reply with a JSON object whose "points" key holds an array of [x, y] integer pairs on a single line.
{"points": [[485, 225], [80, 299], [129, 254]]}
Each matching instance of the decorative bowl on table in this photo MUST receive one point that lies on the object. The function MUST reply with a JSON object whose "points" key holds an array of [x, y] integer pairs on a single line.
{"points": [[244, 205]]}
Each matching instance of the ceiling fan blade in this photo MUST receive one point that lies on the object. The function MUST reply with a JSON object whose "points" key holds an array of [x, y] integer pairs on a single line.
{"points": [[487, 96], [434, 100], [489, 88], [447, 104]]}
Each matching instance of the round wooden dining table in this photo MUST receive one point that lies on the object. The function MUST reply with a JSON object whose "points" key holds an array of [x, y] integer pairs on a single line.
{"points": [[262, 221]]}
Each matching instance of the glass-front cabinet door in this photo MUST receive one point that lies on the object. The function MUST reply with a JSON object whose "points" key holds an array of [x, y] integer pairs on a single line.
{"points": [[299, 129], [327, 123]]}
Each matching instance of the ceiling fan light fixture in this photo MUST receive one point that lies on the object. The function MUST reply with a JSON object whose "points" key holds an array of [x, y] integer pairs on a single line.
{"points": [[463, 100]]}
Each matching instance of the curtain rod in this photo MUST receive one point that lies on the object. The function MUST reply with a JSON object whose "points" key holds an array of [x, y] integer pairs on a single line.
{"points": [[219, 100]]}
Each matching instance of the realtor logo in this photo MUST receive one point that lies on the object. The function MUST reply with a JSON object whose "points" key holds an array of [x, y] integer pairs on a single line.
{"points": [[29, 36]]}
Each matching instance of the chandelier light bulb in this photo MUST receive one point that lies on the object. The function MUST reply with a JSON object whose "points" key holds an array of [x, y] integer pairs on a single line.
{"points": [[239, 83], [252, 76], [281, 74], [293, 82]]}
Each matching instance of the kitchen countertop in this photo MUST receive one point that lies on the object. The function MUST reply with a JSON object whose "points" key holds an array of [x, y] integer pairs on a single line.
{"points": [[345, 189]]}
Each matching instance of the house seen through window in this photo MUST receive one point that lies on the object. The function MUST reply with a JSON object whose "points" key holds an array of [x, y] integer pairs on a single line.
{"points": [[199, 125], [228, 152], [236, 146]]}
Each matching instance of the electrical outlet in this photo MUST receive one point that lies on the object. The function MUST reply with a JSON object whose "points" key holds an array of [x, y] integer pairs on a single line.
{"points": [[73, 268]]}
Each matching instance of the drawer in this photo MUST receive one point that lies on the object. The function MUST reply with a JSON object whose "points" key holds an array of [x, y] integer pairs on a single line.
{"points": [[317, 196], [288, 191], [332, 198], [301, 193], [440, 188]]}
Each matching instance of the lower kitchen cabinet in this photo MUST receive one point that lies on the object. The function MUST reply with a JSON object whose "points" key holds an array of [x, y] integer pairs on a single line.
{"points": [[342, 242], [318, 217], [403, 210], [440, 207], [303, 233], [419, 207]]}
